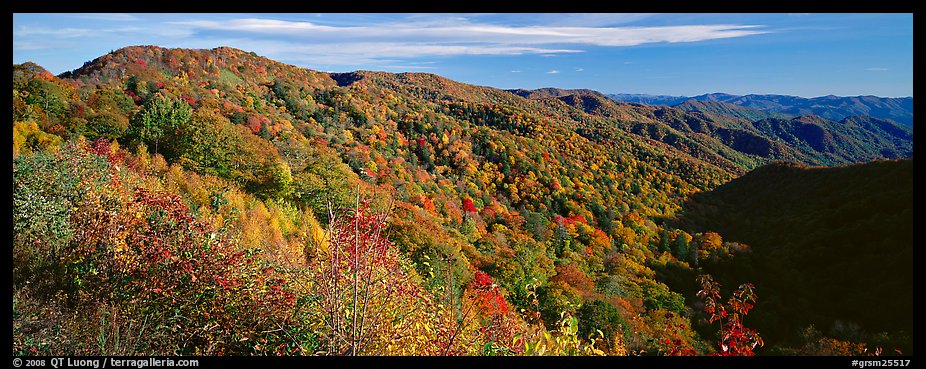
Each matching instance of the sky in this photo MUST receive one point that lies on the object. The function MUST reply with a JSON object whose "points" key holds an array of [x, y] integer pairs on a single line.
{"points": [[805, 54]]}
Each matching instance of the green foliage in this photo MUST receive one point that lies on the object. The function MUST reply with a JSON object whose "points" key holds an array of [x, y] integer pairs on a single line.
{"points": [[39, 96], [107, 125], [657, 296], [107, 116], [554, 299], [47, 188], [597, 315], [160, 121]]}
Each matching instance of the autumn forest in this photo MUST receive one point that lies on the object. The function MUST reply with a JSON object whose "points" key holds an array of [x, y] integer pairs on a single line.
{"points": [[216, 202]]}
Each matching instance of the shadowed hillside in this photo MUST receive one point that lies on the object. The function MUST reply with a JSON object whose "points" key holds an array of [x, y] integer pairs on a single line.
{"points": [[832, 247]]}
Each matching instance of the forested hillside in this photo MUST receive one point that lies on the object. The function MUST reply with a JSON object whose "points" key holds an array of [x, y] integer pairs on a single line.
{"points": [[216, 202], [818, 236], [738, 138]]}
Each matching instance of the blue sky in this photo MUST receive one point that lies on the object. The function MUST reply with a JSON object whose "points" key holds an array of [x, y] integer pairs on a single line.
{"points": [[669, 54]]}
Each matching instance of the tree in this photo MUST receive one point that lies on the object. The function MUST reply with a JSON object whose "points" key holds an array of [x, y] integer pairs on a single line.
{"points": [[48, 95], [370, 301], [27, 137], [484, 320], [710, 247], [735, 338], [160, 120], [468, 206], [599, 315], [681, 245]]}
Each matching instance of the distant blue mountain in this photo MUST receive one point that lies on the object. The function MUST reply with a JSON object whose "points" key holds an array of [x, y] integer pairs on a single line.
{"points": [[666, 100], [830, 107]]}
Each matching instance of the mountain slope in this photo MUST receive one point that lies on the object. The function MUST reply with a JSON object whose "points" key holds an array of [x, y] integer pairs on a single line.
{"points": [[726, 135], [481, 180], [818, 238], [694, 134], [719, 109], [854, 139]]}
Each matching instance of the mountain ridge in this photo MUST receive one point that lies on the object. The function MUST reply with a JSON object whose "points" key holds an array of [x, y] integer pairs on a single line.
{"points": [[833, 107], [722, 126]]}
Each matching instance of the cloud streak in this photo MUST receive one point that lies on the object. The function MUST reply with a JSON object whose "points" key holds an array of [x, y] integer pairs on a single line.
{"points": [[70, 32], [112, 17], [479, 32], [318, 43]]}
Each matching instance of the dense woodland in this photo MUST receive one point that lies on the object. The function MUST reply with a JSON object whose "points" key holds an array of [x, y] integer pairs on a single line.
{"points": [[817, 236], [214, 202]]}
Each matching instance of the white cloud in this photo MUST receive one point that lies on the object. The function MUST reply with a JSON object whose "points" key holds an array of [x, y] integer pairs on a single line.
{"points": [[113, 17], [36, 45], [553, 72], [580, 69], [392, 49], [149, 33], [407, 68], [515, 71], [69, 32], [462, 31], [876, 69], [376, 53]]}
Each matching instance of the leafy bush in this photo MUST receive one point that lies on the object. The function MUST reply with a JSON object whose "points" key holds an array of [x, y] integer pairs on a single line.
{"points": [[87, 239]]}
